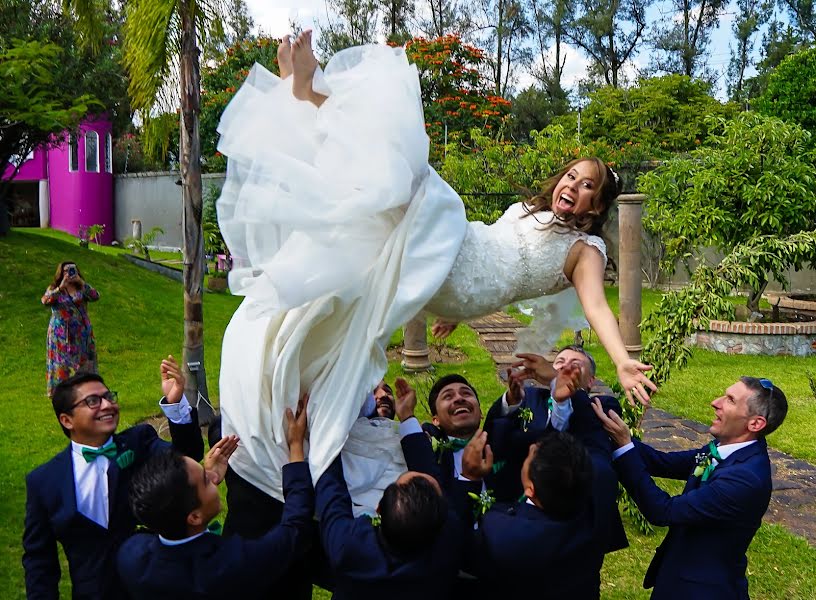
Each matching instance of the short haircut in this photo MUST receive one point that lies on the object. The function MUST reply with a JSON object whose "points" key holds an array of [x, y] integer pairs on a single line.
{"points": [[561, 471], [387, 388], [161, 495], [580, 350], [770, 403], [412, 515], [441, 383], [64, 396]]}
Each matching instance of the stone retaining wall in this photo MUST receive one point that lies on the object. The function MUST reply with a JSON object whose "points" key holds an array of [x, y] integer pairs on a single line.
{"points": [[730, 337]]}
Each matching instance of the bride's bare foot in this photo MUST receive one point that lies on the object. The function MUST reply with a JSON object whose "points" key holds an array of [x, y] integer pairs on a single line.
{"points": [[304, 64], [285, 57]]}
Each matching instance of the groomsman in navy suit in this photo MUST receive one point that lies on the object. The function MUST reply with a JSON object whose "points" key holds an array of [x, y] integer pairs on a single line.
{"points": [[728, 489], [411, 548], [177, 499], [79, 497], [560, 529]]}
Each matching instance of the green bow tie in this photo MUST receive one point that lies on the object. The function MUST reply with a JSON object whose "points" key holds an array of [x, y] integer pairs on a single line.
{"points": [[456, 444], [215, 527], [108, 450]]}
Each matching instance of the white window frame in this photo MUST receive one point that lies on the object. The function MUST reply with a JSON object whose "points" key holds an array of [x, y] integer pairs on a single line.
{"points": [[73, 158], [88, 135], [108, 153]]}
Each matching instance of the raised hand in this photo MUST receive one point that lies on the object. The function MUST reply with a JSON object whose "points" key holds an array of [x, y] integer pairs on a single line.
{"points": [[218, 457], [172, 380], [613, 424], [442, 329], [634, 382], [405, 401], [515, 389], [477, 457], [567, 381], [535, 367], [296, 426]]}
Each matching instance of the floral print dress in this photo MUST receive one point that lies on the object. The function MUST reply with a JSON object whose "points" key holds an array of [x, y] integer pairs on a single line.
{"points": [[70, 344]]}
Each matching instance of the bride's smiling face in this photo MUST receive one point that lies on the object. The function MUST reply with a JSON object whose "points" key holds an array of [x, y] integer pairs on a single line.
{"points": [[575, 190]]}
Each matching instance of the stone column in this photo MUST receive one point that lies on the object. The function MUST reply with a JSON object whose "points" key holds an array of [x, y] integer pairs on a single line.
{"points": [[415, 350], [630, 278], [44, 204]]}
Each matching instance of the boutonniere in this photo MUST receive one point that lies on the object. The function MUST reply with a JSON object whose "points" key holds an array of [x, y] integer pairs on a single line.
{"points": [[483, 501], [703, 461], [441, 446], [125, 459], [526, 417], [376, 520]]}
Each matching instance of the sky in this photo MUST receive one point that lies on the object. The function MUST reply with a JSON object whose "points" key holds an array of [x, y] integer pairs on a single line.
{"points": [[273, 18]]}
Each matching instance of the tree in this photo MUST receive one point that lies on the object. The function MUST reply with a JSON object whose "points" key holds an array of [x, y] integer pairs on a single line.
{"points": [[753, 177], [779, 41], [803, 17], [35, 110], [752, 15], [549, 20], [455, 97], [663, 115], [160, 35], [610, 33], [534, 109], [396, 15], [791, 91], [682, 43], [503, 28], [444, 18], [354, 22], [236, 27]]}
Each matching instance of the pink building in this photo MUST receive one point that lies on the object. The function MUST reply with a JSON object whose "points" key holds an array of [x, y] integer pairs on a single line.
{"points": [[69, 186]]}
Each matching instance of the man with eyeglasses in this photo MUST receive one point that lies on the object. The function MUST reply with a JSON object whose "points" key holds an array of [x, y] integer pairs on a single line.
{"points": [[79, 497], [728, 489]]}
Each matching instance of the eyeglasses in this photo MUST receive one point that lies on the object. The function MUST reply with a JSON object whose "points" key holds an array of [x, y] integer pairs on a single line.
{"points": [[768, 385], [95, 400]]}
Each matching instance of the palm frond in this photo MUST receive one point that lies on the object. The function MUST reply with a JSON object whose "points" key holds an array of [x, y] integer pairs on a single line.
{"points": [[89, 16]]}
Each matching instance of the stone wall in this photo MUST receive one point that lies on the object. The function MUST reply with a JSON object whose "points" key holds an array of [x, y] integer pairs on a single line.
{"points": [[787, 339]]}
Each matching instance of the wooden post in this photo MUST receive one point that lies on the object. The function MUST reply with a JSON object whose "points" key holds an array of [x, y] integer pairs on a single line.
{"points": [[630, 278]]}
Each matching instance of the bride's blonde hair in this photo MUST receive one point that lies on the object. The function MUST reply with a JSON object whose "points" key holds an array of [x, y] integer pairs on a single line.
{"points": [[592, 221]]}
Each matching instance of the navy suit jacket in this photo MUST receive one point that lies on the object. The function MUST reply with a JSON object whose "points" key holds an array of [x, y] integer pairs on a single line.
{"points": [[215, 567], [711, 524], [510, 443], [517, 543], [52, 516], [364, 567]]}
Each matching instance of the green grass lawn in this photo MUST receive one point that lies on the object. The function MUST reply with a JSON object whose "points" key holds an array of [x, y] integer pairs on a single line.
{"points": [[138, 320]]}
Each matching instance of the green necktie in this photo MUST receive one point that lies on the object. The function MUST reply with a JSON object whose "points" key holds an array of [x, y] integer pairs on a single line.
{"points": [[108, 450], [713, 454]]}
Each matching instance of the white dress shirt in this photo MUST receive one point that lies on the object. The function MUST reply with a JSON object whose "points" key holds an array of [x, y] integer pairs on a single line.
{"points": [[559, 416]]}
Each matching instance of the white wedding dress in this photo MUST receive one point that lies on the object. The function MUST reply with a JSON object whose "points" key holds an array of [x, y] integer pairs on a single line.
{"points": [[340, 233]]}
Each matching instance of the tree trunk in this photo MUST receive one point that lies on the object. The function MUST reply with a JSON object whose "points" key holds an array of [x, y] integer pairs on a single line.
{"points": [[190, 165], [754, 297]]}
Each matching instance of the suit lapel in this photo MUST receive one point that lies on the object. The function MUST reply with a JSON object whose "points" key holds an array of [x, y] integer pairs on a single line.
{"points": [[113, 478], [67, 486]]}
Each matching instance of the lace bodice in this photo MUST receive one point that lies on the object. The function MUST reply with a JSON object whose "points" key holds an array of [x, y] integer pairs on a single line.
{"points": [[512, 260]]}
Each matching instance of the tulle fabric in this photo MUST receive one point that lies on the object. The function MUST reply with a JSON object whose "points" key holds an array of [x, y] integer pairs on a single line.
{"points": [[340, 233]]}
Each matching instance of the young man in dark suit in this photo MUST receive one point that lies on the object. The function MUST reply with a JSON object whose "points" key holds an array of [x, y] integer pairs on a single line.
{"points": [[415, 539], [177, 498], [728, 489], [79, 497], [552, 544]]}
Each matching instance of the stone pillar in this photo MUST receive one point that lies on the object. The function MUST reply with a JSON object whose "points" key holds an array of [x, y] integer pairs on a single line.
{"points": [[44, 204], [415, 352], [630, 278], [136, 227]]}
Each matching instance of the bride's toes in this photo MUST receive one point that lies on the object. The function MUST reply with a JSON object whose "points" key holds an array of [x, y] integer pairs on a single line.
{"points": [[304, 64], [285, 57]]}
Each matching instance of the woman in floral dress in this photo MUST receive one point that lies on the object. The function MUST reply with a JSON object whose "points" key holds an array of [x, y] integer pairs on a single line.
{"points": [[70, 344]]}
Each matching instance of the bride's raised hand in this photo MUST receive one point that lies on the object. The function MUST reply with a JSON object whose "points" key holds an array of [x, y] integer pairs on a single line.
{"points": [[442, 329], [634, 382]]}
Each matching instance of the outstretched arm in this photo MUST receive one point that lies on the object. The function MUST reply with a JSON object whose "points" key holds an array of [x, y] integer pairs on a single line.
{"points": [[587, 277]]}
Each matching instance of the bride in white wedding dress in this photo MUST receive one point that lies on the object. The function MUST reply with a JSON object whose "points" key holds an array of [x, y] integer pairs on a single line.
{"points": [[341, 232]]}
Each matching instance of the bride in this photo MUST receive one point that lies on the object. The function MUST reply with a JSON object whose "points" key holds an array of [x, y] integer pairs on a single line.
{"points": [[341, 232]]}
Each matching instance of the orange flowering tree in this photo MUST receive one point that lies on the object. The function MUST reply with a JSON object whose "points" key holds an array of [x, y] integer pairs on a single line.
{"points": [[454, 93], [219, 84]]}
